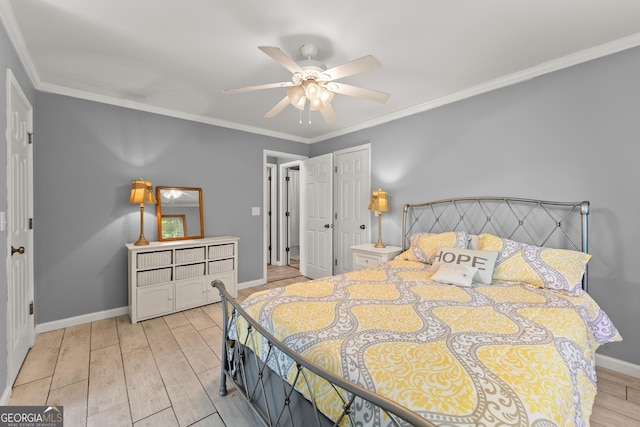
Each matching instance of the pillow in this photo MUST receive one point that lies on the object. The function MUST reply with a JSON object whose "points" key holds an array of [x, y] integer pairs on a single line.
{"points": [[483, 261], [555, 269], [474, 242], [454, 274], [425, 245]]}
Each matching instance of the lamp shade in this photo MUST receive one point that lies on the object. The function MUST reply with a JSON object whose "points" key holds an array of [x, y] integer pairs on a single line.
{"points": [[378, 201], [142, 192]]}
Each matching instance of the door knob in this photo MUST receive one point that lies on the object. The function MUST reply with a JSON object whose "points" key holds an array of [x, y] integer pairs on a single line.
{"points": [[328, 226], [362, 227], [20, 250]]}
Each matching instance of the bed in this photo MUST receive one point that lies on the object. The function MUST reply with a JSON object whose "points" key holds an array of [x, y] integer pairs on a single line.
{"points": [[484, 319]]}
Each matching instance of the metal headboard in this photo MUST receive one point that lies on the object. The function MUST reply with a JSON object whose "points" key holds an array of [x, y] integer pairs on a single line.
{"points": [[536, 222]]}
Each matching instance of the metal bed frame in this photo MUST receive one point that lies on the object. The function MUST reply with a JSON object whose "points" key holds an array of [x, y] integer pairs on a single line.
{"points": [[274, 400], [536, 222]]}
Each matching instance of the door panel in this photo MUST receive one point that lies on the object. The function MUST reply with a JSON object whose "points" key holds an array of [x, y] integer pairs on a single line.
{"points": [[20, 329], [316, 217], [352, 198]]}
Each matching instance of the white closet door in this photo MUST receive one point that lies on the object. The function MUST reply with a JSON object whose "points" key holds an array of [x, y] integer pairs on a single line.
{"points": [[316, 240], [352, 201]]}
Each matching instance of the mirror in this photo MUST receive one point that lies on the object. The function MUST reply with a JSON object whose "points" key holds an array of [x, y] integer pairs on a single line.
{"points": [[179, 213]]}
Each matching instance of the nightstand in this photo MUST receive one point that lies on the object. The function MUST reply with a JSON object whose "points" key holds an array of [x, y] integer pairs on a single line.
{"points": [[366, 255]]}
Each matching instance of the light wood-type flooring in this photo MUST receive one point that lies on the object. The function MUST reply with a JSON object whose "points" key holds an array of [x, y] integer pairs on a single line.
{"points": [[166, 372]]}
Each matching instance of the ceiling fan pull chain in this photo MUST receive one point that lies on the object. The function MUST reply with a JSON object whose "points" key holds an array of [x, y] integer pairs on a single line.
{"points": [[300, 111], [309, 115]]}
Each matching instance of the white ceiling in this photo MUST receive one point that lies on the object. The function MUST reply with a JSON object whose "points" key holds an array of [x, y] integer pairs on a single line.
{"points": [[176, 57]]}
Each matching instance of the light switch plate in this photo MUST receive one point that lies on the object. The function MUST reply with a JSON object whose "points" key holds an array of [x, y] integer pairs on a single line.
{"points": [[255, 211]]}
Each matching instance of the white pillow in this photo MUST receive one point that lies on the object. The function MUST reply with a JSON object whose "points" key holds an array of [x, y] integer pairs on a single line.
{"points": [[483, 261], [452, 274]]}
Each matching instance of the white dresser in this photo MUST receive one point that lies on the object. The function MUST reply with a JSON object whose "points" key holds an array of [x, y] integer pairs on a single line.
{"points": [[166, 277], [366, 255]]}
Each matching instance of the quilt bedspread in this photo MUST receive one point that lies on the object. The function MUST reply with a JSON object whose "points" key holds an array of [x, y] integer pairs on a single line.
{"points": [[499, 354]]}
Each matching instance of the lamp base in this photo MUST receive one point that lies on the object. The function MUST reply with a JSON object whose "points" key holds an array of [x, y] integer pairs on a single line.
{"points": [[141, 241], [379, 244]]}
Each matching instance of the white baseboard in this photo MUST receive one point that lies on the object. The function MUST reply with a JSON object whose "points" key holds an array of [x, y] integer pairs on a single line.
{"points": [[251, 284], [618, 365], [78, 320]]}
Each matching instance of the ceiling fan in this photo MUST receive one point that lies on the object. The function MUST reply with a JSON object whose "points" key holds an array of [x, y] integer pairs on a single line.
{"points": [[312, 81]]}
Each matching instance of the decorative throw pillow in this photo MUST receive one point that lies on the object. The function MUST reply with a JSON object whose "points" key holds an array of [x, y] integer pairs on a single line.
{"points": [[556, 269], [483, 261], [454, 274], [425, 245]]}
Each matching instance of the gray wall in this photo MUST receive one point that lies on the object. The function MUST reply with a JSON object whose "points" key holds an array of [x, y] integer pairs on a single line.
{"points": [[569, 135], [8, 59], [87, 153]]}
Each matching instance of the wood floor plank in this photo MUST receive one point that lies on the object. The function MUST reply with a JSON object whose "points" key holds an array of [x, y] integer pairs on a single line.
{"points": [[107, 387], [39, 363], [159, 336], [213, 337], [73, 361], [117, 416], [104, 333], [214, 311], [614, 388], [623, 406], [164, 418], [611, 418], [231, 406], [212, 421], [131, 337], [31, 393], [199, 318], [195, 349], [146, 391], [618, 377], [176, 319], [73, 398], [189, 399], [84, 328], [633, 395]]}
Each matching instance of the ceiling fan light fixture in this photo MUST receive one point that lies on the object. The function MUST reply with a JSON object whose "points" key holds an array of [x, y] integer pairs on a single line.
{"points": [[312, 90]]}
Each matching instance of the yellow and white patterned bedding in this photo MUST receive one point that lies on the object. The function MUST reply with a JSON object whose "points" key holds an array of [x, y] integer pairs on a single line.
{"points": [[500, 354]]}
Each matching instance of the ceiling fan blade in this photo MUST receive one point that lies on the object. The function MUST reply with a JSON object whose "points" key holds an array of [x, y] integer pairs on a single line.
{"points": [[277, 108], [329, 113], [359, 92], [353, 67], [259, 87], [282, 58]]}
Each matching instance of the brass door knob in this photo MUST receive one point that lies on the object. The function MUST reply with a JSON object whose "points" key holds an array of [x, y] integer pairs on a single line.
{"points": [[20, 250]]}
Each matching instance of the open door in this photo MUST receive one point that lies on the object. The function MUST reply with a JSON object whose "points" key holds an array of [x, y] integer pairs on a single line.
{"points": [[20, 323], [316, 216]]}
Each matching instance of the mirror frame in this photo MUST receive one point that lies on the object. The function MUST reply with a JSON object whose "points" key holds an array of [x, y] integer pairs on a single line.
{"points": [[159, 214]]}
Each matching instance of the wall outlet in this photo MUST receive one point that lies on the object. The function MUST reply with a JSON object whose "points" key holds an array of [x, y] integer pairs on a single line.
{"points": [[255, 211]]}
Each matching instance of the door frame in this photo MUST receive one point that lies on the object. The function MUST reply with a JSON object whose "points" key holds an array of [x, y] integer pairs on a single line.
{"points": [[271, 187], [265, 216], [282, 209], [12, 83]]}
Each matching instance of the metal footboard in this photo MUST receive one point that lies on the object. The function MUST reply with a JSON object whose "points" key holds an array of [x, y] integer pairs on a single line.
{"points": [[260, 388]]}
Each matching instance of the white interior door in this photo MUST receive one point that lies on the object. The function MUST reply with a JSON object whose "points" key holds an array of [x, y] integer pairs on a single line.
{"points": [[20, 329], [316, 217], [293, 214], [352, 201]]}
